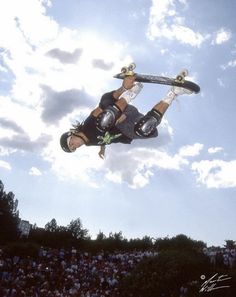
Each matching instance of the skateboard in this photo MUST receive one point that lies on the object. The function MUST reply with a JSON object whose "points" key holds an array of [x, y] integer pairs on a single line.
{"points": [[178, 81]]}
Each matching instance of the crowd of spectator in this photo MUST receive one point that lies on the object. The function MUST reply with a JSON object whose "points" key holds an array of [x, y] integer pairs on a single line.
{"points": [[62, 273], [68, 273], [221, 256]]}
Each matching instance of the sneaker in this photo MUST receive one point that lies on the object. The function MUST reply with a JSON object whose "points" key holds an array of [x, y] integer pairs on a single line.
{"points": [[181, 91], [132, 93], [174, 92]]}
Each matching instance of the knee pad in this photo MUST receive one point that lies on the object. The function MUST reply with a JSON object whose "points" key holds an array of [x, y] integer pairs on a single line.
{"points": [[108, 118], [146, 126]]}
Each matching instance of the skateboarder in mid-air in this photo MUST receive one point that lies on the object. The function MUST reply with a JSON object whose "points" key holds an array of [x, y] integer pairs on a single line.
{"points": [[116, 121]]}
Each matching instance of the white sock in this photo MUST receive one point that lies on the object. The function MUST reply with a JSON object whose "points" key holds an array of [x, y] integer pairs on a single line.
{"points": [[130, 94], [170, 96]]}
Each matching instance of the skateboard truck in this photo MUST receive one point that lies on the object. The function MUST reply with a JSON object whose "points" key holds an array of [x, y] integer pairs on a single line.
{"points": [[128, 70], [181, 76]]}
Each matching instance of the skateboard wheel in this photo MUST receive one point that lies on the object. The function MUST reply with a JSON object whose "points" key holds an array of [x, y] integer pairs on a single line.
{"points": [[180, 78], [132, 66], [184, 72], [124, 69]]}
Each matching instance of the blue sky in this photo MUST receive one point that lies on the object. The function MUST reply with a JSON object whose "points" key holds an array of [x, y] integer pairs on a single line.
{"points": [[56, 60]]}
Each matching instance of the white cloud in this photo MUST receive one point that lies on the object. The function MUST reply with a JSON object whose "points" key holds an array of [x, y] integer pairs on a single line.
{"points": [[139, 163], [35, 171], [84, 165], [220, 82], [30, 35], [164, 22], [2, 69], [5, 165], [186, 35], [164, 51], [27, 25], [213, 150], [222, 36], [140, 159], [216, 174], [6, 151], [191, 150], [231, 63], [184, 2]]}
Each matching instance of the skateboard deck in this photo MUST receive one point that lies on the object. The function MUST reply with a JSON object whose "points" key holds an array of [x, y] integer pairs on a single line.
{"points": [[178, 81]]}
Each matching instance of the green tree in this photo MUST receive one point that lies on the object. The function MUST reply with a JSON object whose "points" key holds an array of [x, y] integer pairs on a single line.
{"points": [[117, 236], [51, 226], [230, 244], [179, 242], [164, 274], [101, 236], [180, 262], [9, 215], [76, 229]]}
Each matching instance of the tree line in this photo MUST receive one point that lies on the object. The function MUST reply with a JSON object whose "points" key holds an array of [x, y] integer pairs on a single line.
{"points": [[56, 236], [74, 234]]}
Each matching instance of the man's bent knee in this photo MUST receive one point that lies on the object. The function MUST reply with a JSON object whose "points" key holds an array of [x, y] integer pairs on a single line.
{"points": [[146, 126], [108, 118]]}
